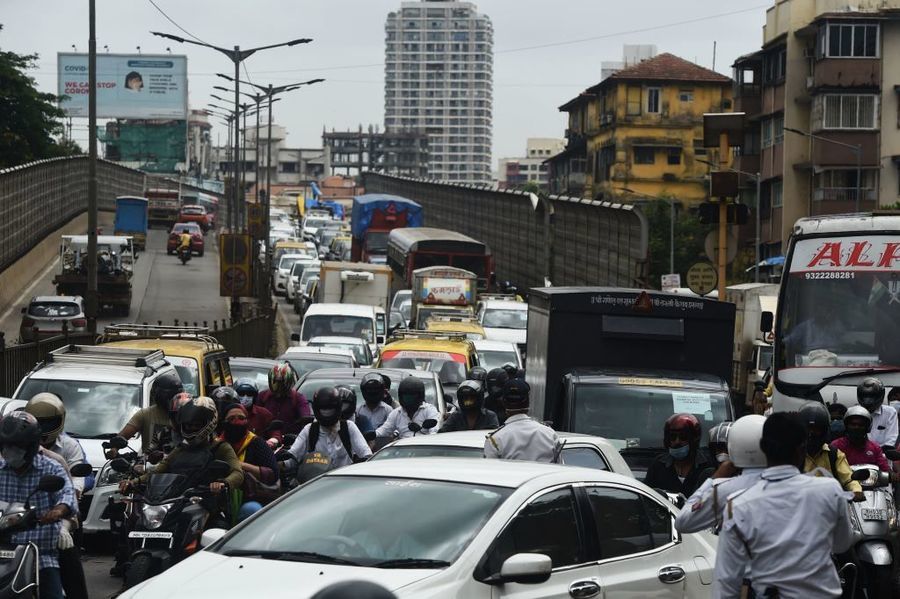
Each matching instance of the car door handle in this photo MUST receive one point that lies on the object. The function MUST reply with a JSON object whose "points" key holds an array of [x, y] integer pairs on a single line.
{"points": [[584, 589], [671, 574]]}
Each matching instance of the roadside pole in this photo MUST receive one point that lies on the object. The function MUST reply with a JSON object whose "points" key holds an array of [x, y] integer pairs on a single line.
{"points": [[92, 299]]}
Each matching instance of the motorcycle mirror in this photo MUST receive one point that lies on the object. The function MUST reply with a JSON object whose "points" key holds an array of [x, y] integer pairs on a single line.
{"points": [[219, 469], [414, 427], [80, 470], [860, 474], [892, 454], [429, 423], [120, 465], [289, 439], [118, 442], [50, 484]]}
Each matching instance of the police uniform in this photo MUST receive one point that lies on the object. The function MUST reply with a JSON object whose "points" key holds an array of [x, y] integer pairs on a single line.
{"points": [[704, 509], [522, 438], [785, 528]]}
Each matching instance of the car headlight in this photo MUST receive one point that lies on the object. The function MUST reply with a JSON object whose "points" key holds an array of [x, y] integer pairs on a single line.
{"points": [[108, 476], [154, 515]]}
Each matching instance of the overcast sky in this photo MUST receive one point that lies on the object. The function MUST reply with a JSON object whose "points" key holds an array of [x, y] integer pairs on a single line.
{"points": [[348, 50]]}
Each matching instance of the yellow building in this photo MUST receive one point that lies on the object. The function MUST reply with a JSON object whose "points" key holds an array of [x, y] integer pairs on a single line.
{"points": [[641, 129]]}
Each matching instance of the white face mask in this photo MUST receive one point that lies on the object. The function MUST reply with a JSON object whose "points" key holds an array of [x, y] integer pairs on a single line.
{"points": [[722, 457], [14, 456], [246, 400]]}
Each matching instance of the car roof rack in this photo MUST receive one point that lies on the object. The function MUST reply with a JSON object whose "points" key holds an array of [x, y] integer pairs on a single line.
{"points": [[109, 356], [402, 334], [129, 332]]}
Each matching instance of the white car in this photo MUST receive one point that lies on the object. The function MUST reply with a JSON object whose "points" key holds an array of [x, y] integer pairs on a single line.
{"points": [[282, 271], [305, 359], [297, 270], [344, 320], [505, 320], [494, 354], [470, 528], [358, 346]]}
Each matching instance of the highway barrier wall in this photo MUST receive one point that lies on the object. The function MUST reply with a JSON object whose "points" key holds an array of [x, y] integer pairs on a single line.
{"points": [[568, 241]]}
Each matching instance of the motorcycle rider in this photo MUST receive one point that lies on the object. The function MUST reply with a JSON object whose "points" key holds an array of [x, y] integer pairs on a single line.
{"points": [[184, 242], [495, 381], [836, 410], [683, 468], [870, 395], [520, 437], [348, 409], [21, 469], [377, 401], [822, 457], [413, 408], [471, 414], [283, 401], [223, 396], [49, 411], [153, 422], [718, 442], [258, 417], [257, 461], [855, 443], [336, 439]]}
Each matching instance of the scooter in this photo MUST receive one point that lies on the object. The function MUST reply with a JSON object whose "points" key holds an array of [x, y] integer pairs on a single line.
{"points": [[172, 513], [874, 523], [184, 255]]}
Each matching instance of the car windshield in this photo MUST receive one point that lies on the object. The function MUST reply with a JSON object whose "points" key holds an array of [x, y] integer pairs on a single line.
{"points": [[312, 384], [193, 210], [439, 520], [93, 409], [491, 359], [287, 262], [358, 349], [306, 365], [399, 298], [258, 374], [839, 304], [300, 266], [426, 313], [406, 310], [186, 228], [451, 368], [377, 242], [505, 319], [53, 309], [634, 416], [308, 273], [337, 325], [188, 371], [428, 451]]}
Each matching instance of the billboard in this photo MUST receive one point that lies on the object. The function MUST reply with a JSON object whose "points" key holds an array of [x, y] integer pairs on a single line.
{"points": [[129, 86]]}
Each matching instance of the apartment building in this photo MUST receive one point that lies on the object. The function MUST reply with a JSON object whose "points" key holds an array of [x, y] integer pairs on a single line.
{"points": [[514, 173]]}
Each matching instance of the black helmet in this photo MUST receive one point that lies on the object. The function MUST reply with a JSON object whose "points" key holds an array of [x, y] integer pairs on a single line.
{"points": [[197, 420], [21, 430], [818, 424], [470, 396], [164, 388], [326, 406], [372, 387], [511, 370], [411, 393], [515, 395], [870, 393], [357, 589], [477, 373], [495, 381], [225, 395], [348, 401]]}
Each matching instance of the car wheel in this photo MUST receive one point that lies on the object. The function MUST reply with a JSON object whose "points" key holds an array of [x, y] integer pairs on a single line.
{"points": [[138, 571]]}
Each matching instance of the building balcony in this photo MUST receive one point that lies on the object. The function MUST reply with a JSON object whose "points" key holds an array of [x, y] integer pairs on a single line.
{"points": [[844, 194], [847, 72]]}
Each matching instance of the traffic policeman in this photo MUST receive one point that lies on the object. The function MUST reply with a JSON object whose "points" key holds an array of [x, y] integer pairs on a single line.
{"points": [[786, 527], [521, 438]]}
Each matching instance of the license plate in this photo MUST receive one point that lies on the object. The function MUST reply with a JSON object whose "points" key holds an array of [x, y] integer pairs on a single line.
{"points": [[874, 513], [142, 534], [7, 554]]}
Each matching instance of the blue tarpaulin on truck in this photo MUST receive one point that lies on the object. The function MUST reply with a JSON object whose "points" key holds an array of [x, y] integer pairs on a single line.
{"points": [[364, 207]]}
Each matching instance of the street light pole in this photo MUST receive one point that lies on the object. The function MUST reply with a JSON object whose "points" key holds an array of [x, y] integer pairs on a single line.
{"points": [[93, 306], [855, 148]]}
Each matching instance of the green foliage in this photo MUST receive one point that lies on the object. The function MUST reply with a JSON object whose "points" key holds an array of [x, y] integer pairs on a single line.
{"points": [[689, 237], [29, 119]]}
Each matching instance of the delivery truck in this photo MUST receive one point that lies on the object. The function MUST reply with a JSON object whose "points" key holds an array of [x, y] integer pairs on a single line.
{"points": [[357, 283], [115, 266], [163, 207], [752, 347], [374, 216], [132, 219], [442, 291]]}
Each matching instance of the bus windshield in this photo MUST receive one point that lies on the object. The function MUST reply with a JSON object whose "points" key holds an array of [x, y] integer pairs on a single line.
{"points": [[841, 304]]}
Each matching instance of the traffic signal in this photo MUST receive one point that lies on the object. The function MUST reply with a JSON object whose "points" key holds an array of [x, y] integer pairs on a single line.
{"points": [[738, 214]]}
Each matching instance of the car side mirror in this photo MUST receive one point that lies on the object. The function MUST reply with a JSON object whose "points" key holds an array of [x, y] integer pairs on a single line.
{"points": [[295, 337], [766, 322], [526, 568], [50, 484], [211, 535], [24, 309], [80, 470]]}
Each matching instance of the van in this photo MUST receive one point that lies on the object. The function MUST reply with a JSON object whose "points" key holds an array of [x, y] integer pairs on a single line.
{"points": [[339, 320]]}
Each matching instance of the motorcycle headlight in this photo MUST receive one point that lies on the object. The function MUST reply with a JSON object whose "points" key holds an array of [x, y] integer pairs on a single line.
{"points": [[108, 476], [154, 515], [10, 520]]}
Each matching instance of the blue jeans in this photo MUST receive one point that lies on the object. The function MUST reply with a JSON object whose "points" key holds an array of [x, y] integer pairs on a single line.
{"points": [[51, 583]]}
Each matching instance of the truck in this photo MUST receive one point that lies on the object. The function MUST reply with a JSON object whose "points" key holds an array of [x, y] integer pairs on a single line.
{"points": [[115, 267], [444, 291], [617, 363], [752, 351], [357, 283], [131, 219], [373, 217], [163, 206]]}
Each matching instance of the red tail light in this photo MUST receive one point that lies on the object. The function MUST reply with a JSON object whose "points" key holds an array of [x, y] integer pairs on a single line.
{"points": [[79, 322]]}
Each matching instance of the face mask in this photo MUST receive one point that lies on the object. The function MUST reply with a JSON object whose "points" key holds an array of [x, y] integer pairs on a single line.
{"points": [[246, 400], [14, 456], [722, 457], [814, 446], [410, 404], [680, 453], [234, 432], [857, 435], [837, 428], [328, 417]]}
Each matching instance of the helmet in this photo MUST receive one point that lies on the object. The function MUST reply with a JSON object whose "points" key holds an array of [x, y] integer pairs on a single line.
{"points": [[870, 393], [348, 401], [326, 406], [859, 412], [164, 388], [175, 404], [197, 420], [50, 413], [19, 430], [495, 381], [477, 373], [511, 370], [358, 589], [718, 438], [743, 442], [282, 378], [248, 509], [515, 396], [411, 393], [372, 387], [815, 414], [225, 395], [686, 423], [247, 391], [470, 396]]}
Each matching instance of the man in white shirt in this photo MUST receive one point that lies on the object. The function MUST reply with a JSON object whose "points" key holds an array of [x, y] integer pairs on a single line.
{"points": [[870, 395], [375, 397], [337, 439], [413, 408]]}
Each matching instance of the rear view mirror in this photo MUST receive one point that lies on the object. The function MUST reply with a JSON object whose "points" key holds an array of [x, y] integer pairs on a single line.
{"points": [[892, 454], [50, 484], [526, 568], [295, 337], [80, 470], [429, 423], [766, 322], [859, 475], [415, 427]]}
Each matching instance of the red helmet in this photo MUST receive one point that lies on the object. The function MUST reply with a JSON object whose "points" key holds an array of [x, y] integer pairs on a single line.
{"points": [[687, 424]]}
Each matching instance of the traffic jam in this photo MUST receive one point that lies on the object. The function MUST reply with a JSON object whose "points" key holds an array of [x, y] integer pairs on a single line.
{"points": [[430, 431]]}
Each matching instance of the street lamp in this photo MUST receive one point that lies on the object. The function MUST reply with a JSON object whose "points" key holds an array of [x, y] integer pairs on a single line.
{"points": [[671, 202], [236, 56], [856, 149]]}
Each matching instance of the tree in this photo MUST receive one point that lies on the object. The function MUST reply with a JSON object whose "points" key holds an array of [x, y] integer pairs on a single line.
{"points": [[29, 119], [689, 237]]}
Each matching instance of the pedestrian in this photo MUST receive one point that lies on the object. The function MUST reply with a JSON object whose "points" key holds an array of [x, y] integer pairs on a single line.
{"points": [[520, 437], [786, 527], [683, 468]]}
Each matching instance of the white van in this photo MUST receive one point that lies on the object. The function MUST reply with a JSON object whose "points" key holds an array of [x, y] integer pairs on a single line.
{"points": [[339, 320]]}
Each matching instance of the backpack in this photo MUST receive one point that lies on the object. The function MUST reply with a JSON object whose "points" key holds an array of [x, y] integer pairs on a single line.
{"points": [[832, 460], [343, 433]]}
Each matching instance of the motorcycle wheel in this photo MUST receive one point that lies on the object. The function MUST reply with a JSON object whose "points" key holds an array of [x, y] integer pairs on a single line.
{"points": [[139, 570]]}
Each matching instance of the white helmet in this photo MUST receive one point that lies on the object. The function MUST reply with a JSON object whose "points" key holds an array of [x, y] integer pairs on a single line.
{"points": [[859, 412], [743, 442]]}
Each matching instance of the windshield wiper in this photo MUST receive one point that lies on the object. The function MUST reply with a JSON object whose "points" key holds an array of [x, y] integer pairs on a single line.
{"points": [[411, 562], [296, 556], [824, 382]]}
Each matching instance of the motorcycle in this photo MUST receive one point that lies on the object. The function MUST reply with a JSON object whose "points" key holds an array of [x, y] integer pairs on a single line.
{"points": [[184, 254], [875, 526], [170, 515]]}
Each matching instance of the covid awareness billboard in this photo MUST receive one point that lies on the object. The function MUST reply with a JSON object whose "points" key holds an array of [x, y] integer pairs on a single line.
{"points": [[129, 86]]}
